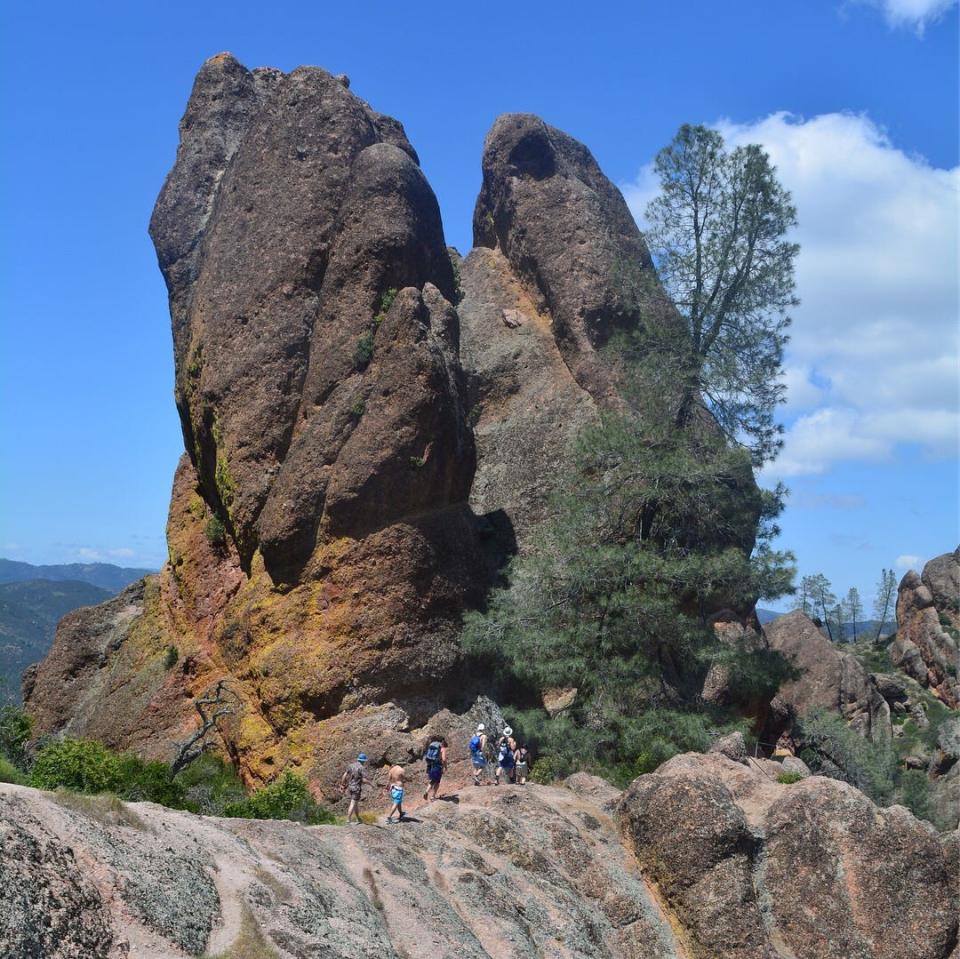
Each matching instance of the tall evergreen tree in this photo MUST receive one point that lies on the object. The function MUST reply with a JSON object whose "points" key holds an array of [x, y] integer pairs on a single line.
{"points": [[885, 600]]}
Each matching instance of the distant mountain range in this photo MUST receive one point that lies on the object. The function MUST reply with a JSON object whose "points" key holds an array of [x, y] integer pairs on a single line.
{"points": [[105, 575], [33, 599]]}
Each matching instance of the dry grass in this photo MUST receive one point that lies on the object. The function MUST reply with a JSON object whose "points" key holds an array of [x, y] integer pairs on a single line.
{"points": [[250, 942], [374, 891], [105, 808], [280, 890]]}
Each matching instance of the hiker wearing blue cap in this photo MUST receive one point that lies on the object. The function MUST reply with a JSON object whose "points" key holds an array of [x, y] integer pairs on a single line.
{"points": [[352, 782]]}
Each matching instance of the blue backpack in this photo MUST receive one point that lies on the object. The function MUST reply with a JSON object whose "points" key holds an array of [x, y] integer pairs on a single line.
{"points": [[475, 745], [432, 755]]}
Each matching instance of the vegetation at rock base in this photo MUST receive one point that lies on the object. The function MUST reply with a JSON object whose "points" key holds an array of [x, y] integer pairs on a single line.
{"points": [[286, 798], [650, 533], [250, 942], [363, 351], [215, 531], [15, 729]]}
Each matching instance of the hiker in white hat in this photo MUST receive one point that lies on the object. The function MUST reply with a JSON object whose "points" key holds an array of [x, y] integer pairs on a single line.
{"points": [[478, 754]]}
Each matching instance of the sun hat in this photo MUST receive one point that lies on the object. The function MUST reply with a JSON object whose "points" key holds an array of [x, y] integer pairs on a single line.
{"points": [[480, 727], [362, 758], [507, 731]]}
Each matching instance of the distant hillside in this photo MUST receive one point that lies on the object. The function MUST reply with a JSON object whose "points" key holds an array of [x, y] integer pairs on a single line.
{"points": [[29, 613], [105, 575]]}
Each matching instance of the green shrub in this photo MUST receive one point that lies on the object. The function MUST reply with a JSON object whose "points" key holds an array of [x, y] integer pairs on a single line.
{"points": [[358, 408], [10, 774], [418, 462], [216, 532], [383, 308], [78, 764], [15, 728], [914, 791], [548, 769], [209, 785], [171, 657], [286, 798], [144, 780], [363, 352], [788, 779]]}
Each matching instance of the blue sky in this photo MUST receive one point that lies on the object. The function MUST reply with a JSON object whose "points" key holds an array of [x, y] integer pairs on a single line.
{"points": [[857, 103]]}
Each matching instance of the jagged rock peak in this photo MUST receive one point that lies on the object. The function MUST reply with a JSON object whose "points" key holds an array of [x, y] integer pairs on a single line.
{"points": [[567, 233], [293, 209]]}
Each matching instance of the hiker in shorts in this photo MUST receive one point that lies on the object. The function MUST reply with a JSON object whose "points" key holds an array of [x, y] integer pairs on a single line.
{"points": [[395, 782], [436, 758], [522, 760], [506, 763], [352, 782], [478, 754]]}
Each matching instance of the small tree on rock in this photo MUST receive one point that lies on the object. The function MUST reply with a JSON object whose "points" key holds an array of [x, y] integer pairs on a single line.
{"points": [[885, 599]]}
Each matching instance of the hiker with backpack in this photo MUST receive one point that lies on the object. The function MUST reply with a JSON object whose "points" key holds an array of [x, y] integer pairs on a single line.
{"points": [[436, 759], [478, 754], [506, 760], [352, 782]]}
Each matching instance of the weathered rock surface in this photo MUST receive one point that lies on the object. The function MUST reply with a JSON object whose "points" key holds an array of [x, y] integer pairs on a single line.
{"points": [[829, 678], [558, 268], [925, 646], [749, 868], [719, 861]]}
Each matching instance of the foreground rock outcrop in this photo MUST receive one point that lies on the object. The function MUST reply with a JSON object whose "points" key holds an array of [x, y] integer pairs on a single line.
{"points": [[928, 620], [755, 870], [717, 860]]}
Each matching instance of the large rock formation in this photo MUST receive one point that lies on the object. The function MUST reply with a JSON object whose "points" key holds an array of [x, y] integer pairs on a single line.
{"points": [[720, 862], [751, 869], [558, 268], [828, 678], [321, 546], [928, 620]]}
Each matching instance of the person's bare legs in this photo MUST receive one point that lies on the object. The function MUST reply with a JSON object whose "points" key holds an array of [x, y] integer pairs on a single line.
{"points": [[353, 809]]}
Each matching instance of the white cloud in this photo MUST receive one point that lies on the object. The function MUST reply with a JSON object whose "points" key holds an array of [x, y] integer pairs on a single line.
{"points": [[908, 561], [873, 358], [85, 552], [121, 552], [912, 13]]}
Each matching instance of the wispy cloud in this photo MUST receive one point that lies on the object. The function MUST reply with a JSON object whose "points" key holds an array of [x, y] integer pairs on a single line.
{"points": [[913, 14], [908, 561], [874, 352]]}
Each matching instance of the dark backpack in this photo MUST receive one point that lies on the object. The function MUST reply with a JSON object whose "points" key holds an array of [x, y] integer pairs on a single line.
{"points": [[475, 745], [432, 755]]}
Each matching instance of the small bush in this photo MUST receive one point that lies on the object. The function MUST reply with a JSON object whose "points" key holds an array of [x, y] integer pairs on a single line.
{"points": [[418, 462], [363, 352], [788, 779], [78, 764], [216, 532], [286, 798], [10, 774], [171, 657], [210, 785], [149, 781], [386, 301], [548, 769], [358, 408], [15, 728], [915, 792]]}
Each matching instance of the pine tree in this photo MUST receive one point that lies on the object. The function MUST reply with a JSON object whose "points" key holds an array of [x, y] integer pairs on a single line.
{"points": [[885, 599], [854, 609]]}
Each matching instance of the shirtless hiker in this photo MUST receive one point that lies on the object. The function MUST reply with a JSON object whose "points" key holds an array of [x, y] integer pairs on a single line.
{"points": [[395, 787]]}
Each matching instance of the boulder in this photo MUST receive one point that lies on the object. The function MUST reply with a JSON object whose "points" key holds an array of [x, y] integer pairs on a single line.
{"points": [[732, 746], [829, 678], [923, 648], [809, 869]]}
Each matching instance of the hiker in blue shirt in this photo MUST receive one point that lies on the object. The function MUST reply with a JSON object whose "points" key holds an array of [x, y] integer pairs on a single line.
{"points": [[506, 756], [478, 754], [436, 759]]}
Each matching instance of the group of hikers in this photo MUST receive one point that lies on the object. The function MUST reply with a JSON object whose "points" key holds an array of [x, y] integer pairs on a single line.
{"points": [[512, 760]]}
